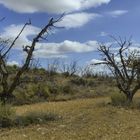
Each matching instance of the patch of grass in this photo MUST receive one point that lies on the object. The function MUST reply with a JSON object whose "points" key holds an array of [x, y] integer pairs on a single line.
{"points": [[83, 119], [9, 118], [135, 103], [119, 99]]}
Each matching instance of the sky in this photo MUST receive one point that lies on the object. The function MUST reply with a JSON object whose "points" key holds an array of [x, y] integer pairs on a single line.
{"points": [[86, 24]]}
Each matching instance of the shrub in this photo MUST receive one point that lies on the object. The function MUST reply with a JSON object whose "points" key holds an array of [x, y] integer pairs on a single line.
{"points": [[42, 90], [31, 93], [35, 118], [63, 97], [0, 89], [79, 81], [54, 89], [7, 115], [67, 89], [118, 99]]}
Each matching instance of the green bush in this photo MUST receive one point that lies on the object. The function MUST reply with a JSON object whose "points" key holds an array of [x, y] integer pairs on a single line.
{"points": [[7, 115], [54, 89], [79, 81], [35, 118], [118, 99], [68, 89], [0, 89], [31, 93], [83, 81], [42, 90]]}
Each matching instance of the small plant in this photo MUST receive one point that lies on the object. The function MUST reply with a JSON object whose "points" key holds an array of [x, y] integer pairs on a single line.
{"points": [[67, 89], [79, 81], [54, 89], [118, 99], [42, 90], [7, 115], [35, 118]]}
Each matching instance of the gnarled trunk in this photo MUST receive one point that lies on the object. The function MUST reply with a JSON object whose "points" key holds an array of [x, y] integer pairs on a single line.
{"points": [[129, 96], [6, 97]]}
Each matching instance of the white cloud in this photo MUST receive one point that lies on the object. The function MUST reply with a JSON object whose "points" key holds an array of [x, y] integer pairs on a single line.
{"points": [[63, 48], [103, 34], [69, 21], [12, 63], [12, 31], [47, 49], [51, 6], [95, 61], [135, 47], [117, 13], [76, 20], [53, 49], [100, 68]]}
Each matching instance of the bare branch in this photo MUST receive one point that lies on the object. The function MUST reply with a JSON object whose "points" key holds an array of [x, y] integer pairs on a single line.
{"points": [[13, 43]]}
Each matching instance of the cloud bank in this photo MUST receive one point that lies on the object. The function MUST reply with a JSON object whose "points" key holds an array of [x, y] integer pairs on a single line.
{"points": [[63, 48], [45, 50], [77, 20], [51, 6], [117, 13], [12, 63]]}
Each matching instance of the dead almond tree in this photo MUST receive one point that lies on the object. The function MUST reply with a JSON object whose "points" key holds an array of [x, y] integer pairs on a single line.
{"points": [[124, 64], [9, 87]]}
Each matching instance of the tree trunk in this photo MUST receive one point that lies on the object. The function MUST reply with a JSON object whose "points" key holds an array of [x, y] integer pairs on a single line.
{"points": [[129, 97], [5, 97]]}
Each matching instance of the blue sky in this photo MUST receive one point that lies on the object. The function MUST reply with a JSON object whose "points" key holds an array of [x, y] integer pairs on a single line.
{"points": [[86, 23]]}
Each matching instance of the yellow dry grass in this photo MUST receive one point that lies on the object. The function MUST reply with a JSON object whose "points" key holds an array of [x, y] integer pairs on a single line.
{"points": [[86, 119]]}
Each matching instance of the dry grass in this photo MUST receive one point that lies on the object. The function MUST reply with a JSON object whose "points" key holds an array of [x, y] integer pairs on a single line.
{"points": [[85, 119]]}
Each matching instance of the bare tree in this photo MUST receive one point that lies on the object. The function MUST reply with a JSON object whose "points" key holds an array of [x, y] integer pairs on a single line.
{"points": [[124, 64], [87, 71], [69, 69], [8, 88], [53, 67]]}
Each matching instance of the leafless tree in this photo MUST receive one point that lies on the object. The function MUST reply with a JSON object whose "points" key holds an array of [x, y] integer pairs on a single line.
{"points": [[9, 87], [124, 64], [69, 69], [87, 71], [53, 67]]}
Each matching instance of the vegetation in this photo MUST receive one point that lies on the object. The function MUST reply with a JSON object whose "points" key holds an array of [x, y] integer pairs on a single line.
{"points": [[38, 85], [9, 118], [99, 111], [80, 119], [7, 115], [119, 100], [8, 88]]}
